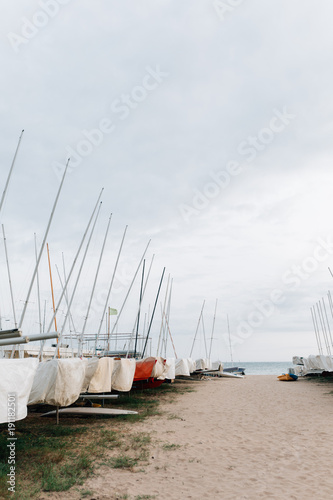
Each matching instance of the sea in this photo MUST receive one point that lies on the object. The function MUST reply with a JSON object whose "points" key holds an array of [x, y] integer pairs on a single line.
{"points": [[262, 367]]}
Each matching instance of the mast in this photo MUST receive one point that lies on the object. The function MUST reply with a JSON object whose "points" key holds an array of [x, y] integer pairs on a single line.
{"points": [[211, 339], [173, 345], [38, 290], [315, 329], [66, 291], [204, 335], [10, 172], [229, 339], [110, 288], [138, 319], [95, 280], [143, 294], [42, 247], [52, 294], [328, 325], [9, 278], [167, 317], [70, 314], [108, 344], [318, 332], [195, 336], [162, 324], [75, 259], [78, 277], [152, 316], [128, 292]]}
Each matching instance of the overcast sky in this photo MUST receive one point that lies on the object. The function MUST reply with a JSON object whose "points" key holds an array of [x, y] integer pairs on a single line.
{"points": [[209, 126]]}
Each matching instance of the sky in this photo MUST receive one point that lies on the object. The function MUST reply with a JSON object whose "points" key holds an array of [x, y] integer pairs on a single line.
{"points": [[209, 126]]}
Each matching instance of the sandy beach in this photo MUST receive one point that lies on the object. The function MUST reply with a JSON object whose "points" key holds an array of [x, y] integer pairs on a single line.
{"points": [[251, 438]]}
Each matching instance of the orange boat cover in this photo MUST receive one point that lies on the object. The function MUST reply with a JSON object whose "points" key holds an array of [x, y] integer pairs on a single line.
{"points": [[144, 368]]}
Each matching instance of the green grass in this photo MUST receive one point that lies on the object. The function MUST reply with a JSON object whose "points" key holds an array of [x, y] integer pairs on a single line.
{"points": [[140, 440], [54, 458], [123, 462], [173, 416], [168, 446], [144, 497], [86, 493], [41, 452]]}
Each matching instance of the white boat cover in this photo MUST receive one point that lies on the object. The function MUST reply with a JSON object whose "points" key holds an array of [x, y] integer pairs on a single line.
{"points": [[217, 365], [191, 364], [170, 369], [317, 363], [159, 369], [297, 360], [203, 364], [101, 380], [123, 374], [16, 376], [91, 367], [182, 367], [58, 382]]}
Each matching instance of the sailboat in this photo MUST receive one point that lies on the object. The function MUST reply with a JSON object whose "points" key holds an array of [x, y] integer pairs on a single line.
{"points": [[233, 371]]}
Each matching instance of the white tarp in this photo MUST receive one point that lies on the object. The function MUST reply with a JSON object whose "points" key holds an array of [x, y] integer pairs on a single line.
{"points": [[203, 364], [170, 369], [16, 377], [297, 360], [123, 374], [317, 363], [182, 367], [191, 365], [91, 365], [159, 369], [58, 382], [101, 380], [217, 365]]}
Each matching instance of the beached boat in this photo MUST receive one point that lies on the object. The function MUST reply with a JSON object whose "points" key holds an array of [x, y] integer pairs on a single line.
{"points": [[288, 377], [235, 370], [231, 375], [149, 373]]}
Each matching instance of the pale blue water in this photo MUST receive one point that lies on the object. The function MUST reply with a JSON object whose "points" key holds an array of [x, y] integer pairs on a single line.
{"points": [[262, 368]]}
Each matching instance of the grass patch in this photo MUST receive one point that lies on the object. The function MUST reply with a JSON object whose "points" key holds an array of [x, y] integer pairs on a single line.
{"points": [[61, 478], [109, 439], [140, 440], [168, 446], [52, 457], [123, 462], [86, 493], [173, 416], [144, 497]]}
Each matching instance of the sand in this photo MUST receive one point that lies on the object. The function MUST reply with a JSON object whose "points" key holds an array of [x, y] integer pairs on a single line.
{"points": [[252, 438]]}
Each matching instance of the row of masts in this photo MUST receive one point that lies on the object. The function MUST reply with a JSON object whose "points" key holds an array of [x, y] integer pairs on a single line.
{"points": [[60, 331], [321, 324], [201, 323]]}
